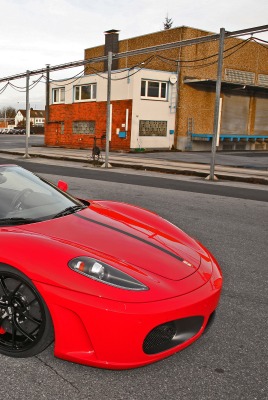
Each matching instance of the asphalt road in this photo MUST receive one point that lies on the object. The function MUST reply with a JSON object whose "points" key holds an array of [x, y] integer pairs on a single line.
{"points": [[230, 361], [161, 181]]}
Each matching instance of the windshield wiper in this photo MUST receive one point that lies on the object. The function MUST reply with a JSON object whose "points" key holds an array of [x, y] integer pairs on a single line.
{"points": [[69, 210], [17, 221]]}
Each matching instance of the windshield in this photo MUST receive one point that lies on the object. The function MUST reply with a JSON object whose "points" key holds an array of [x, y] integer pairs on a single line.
{"points": [[25, 198]]}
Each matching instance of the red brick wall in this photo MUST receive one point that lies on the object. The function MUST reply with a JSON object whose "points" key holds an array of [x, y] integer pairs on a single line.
{"points": [[88, 111]]}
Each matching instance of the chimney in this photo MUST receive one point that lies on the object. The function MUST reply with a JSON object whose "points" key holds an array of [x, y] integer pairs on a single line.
{"points": [[111, 44]]}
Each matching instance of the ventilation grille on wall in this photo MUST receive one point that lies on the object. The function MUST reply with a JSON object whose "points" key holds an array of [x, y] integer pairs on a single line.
{"points": [[263, 80], [236, 76]]}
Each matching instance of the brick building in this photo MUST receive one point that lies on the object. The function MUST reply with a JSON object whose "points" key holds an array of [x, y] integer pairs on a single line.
{"points": [[159, 103]]}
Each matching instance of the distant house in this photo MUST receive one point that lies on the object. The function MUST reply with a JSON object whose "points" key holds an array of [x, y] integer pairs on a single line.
{"points": [[37, 117]]}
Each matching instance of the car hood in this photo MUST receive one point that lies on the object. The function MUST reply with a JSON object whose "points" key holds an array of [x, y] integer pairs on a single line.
{"points": [[131, 235]]}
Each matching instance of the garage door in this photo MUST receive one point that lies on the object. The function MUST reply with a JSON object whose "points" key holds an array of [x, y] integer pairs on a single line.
{"points": [[261, 117], [235, 111]]}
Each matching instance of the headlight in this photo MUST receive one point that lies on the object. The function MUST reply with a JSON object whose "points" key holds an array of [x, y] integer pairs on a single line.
{"points": [[104, 273]]}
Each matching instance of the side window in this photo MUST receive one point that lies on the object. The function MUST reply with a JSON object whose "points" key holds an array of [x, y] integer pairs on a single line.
{"points": [[156, 90], [85, 92], [58, 95]]}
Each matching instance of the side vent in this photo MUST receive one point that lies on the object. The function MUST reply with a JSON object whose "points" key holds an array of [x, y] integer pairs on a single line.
{"points": [[263, 80], [236, 76]]}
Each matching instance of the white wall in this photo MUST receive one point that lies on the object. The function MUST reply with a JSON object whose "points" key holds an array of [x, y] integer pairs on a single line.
{"points": [[120, 88], [155, 110], [18, 118]]}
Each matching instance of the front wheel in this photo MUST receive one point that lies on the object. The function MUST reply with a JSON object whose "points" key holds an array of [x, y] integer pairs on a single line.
{"points": [[26, 326]]}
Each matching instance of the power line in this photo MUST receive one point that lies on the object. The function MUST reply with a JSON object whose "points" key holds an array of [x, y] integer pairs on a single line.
{"points": [[256, 40], [4, 88], [201, 59], [153, 49], [22, 89], [143, 63]]}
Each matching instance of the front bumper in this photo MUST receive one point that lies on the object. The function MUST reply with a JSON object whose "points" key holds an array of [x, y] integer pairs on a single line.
{"points": [[109, 334]]}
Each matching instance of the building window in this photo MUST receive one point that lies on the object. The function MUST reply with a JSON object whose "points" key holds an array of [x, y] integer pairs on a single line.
{"points": [[152, 128], [85, 92], [154, 90], [84, 127], [58, 95]]}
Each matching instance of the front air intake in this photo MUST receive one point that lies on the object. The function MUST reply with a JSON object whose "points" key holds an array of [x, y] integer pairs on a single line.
{"points": [[171, 334]]}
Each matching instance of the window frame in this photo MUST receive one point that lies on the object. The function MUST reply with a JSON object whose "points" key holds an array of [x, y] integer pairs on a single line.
{"points": [[60, 90], [93, 92], [146, 90]]}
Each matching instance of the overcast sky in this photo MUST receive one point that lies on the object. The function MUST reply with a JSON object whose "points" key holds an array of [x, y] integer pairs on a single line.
{"points": [[39, 32]]}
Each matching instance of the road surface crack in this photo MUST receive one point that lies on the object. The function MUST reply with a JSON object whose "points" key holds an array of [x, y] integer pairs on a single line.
{"points": [[58, 374]]}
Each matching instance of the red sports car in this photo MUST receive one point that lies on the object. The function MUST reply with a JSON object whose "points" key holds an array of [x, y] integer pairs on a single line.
{"points": [[114, 285]]}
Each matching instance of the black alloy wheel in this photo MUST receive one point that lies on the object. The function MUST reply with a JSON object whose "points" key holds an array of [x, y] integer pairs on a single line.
{"points": [[26, 326]]}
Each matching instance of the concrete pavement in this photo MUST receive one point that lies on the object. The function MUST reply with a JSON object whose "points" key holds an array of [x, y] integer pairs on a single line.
{"points": [[150, 162]]}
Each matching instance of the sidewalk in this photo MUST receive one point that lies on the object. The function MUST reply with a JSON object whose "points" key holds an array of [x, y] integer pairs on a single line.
{"points": [[149, 163]]}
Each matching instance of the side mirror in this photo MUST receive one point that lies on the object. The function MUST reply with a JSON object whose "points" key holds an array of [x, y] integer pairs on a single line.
{"points": [[63, 186]]}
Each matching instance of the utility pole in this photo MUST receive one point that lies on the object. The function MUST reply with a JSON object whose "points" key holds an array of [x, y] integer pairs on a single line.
{"points": [[47, 93], [26, 155], [217, 105], [108, 110]]}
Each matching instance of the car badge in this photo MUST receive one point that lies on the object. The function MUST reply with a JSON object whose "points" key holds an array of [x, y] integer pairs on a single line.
{"points": [[187, 263]]}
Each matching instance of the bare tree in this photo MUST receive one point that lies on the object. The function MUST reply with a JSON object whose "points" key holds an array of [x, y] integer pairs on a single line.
{"points": [[7, 112], [168, 23]]}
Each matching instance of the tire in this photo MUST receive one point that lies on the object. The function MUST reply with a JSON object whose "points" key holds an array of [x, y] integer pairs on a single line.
{"points": [[26, 327]]}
